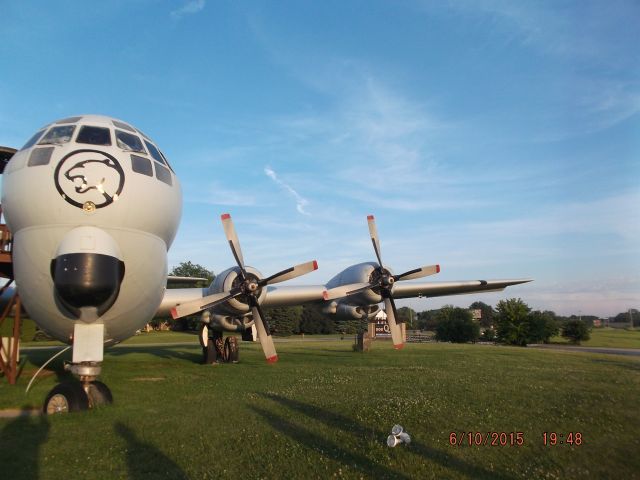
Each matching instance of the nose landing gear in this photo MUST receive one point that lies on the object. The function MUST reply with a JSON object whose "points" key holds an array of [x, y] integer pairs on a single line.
{"points": [[78, 396]]}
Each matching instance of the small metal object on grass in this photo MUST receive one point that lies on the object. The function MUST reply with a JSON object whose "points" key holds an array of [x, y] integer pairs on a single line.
{"points": [[398, 435]]}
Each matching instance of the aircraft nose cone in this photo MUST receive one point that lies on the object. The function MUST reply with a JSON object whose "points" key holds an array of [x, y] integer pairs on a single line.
{"points": [[87, 280], [87, 273]]}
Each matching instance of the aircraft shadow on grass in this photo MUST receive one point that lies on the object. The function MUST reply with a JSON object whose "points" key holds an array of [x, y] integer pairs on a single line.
{"points": [[348, 425], [146, 461], [21, 440]]}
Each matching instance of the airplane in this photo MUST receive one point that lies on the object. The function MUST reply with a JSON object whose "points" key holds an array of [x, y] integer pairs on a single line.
{"points": [[94, 205]]}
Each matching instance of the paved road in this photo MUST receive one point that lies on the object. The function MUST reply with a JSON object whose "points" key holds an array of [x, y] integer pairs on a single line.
{"points": [[612, 351]]}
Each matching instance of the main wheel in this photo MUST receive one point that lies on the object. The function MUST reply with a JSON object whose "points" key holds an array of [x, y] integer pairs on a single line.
{"points": [[231, 350], [66, 398], [219, 344], [99, 394]]}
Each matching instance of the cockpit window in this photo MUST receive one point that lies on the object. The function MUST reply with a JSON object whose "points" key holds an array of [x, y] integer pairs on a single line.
{"points": [[40, 156], [94, 135], [58, 135], [163, 174], [129, 142], [123, 126], [32, 141], [68, 120], [155, 153], [141, 165], [167, 162]]}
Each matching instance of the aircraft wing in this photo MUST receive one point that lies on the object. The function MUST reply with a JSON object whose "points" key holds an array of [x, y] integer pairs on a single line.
{"points": [[176, 296], [277, 296], [441, 289], [192, 280]]}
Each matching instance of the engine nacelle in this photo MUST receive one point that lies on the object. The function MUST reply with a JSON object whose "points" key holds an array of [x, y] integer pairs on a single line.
{"points": [[345, 311], [226, 323], [227, 280], [360, 273]]}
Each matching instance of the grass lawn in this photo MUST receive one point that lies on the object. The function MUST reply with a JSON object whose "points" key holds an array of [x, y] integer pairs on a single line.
{"points": [[609, 338], [325, 411]]}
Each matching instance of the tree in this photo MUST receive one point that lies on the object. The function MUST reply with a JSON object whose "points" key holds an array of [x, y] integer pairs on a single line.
{"points": [[489, 334], [511, 321], [456, 325], [313, 321], [283, 321], [188, 269], [427, 320], [486, 319], [575, 331], [627, 317], [348, 327], [542, 326], [407, 315]]}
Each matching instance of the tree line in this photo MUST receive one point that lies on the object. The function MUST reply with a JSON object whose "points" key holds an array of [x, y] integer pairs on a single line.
{"points": [[512, 322]]}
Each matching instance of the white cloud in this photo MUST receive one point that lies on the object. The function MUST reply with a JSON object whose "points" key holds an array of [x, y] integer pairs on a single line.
{"points": [[301, 202], [189, 8]]}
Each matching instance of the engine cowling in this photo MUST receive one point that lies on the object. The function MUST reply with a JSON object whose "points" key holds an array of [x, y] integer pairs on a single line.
{"points": [[226, 281], [360, 273], [346, 311]]}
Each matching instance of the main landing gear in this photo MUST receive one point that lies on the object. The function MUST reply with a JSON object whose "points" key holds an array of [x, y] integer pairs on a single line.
{"points": [[73, 396], [215, 349]]}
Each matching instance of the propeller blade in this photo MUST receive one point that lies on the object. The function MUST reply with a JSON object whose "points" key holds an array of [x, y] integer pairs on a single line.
{"points": [[289, 273], [265, 338], [345, 290], [396, 332], [232, 238], [373, 231], [418, 273], [195, 306]]}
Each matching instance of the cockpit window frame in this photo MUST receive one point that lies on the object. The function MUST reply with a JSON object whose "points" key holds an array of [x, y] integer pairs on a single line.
{"points": [[155, 153], [84, 128], [123, 126], [34, 139], [57, 128], [166, 161], [69, 120], [128, 148]]}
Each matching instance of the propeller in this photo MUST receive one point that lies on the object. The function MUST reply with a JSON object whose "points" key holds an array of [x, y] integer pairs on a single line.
{"points": [[382, 280], [249, 287]]}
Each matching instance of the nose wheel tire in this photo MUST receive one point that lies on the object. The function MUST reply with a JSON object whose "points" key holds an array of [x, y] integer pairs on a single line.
{"points": [[66, 398], [99, 394]]}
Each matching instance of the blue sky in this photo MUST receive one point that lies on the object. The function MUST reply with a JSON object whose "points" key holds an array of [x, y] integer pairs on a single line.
{"points": [[500, 139]]}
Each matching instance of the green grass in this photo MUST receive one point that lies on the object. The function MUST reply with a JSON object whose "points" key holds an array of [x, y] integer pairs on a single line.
{"points": [[324, 411], [609, 338]]}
